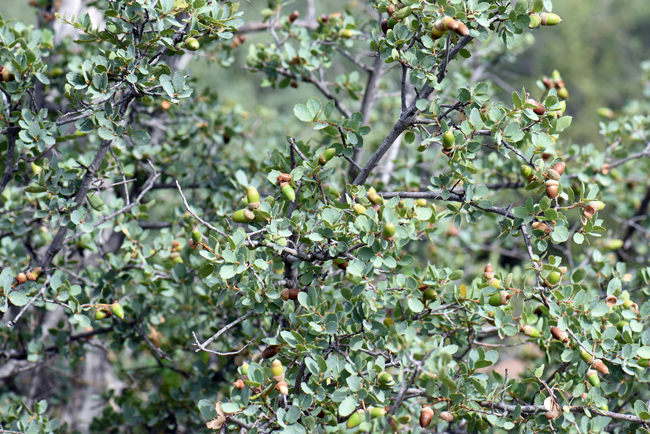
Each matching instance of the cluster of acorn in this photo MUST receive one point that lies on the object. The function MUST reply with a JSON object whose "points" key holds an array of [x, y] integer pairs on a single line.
{"points": [[544, 19], [501, 298], [284, 181], [30, 276], [106, 311], [440, 27], [5, 75], [252, 203], [175, 255], [552, 176], [556, 82], [388, 232]]}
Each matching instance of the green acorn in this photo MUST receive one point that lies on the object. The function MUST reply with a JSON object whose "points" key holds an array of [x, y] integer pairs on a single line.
{"points": [[100, 314], [253, 198], [241, 217], [326, 156], [527, 172], [288, 193], [563, 93], [548, 19], [359, 209], [597, 204], [421, 203], [244, 369], [385, 378], [604, 407], [584, 355], [376, 412], [535, 21], [354, 420], [530, 331], [553, 278], [117, 310], [430, 294], [388, 321], [196, 235], [389, 231], [438, 30], [621, 324], [374, 198], [345, 33], [592, 376], [448, 139], [277, 370], [643, 362], [499, 299], [627, 303], [192, 44], [392, 22]]}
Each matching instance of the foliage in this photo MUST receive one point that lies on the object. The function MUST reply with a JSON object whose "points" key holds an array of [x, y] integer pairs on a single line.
{"points": [[144, 219]]}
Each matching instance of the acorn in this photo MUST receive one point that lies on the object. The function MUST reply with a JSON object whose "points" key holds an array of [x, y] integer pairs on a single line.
{"points": [[244, 369], [552, 174], [390, 9], [175, 244], [584, 355], [392, 22], [552, 188], [621, 325], [560, 335], [563, 93], [341, 263], [548, 83], [385, 378], [446, 416], [541, 226], [359, 209], [253, 198], [606, 112], [421, 203], [643, 362], [389, 231], [559, 167], [192, 44], [374, 198], [488, 272], [426, 414], [499, 299], [354, 420], [30, 276], [430, 294], [539, 107], [196, 235], [21, 278], [553, 278], [288, 193], [100, 314], [294, 16], [599, 366], [438, 30], [270, 351], [282, 387], [548, 19], [290, 294], [450, 23], [326, 156], [241, 216], [6, 76], [462, 29], [277, 370], [283, 177], [239, 384], [117, 310], [345, 33], [384, 26], [448, 139], [535, 21], [598, 205], [527, 172], [376, 412], [388, 321], [530, 331]]}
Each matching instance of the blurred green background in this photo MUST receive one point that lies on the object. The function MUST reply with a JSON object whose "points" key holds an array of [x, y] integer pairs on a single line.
{"points": [[598, 48]]}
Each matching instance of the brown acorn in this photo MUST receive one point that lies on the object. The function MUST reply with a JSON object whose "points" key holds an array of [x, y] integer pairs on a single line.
{"points": [[605, 169], [559, 167], [539, 107], [462, 29], [294, 16], [175, 244], [21, 278], [283, 177], [552, 188], [559, 334], [270, 351], [282, 387], [446, 416], [548, 83], [384, 26], [450, 23], [239, 384], [426, 414], [30, 276], [488, 272], [599, 366], [542, 226], [290, 294]]}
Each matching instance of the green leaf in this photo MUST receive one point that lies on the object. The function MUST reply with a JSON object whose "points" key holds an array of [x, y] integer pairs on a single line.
{"points": [[17, 298], [207, 409], [141, 137], [347, 406], [302, 113]]}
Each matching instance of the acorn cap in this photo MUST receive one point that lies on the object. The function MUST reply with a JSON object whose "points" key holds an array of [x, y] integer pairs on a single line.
{"points": [[599, 366], [282, 387], [21, 278], [589, 211], [250, 215], [277, 370], [611, 300], [446, 416]]}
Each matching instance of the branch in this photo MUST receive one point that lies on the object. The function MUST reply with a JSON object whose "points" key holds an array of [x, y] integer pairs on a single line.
{"points": [[201, 347], [29, 303], [9, 161], [203, 222]]}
